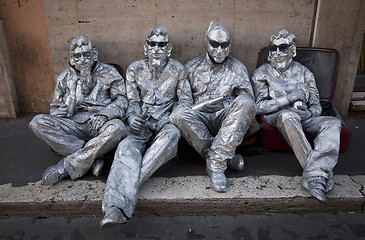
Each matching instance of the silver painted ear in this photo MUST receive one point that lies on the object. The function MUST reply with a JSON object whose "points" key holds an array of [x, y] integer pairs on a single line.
{"points": [[72, 62], [96, 55], [269, 56], [145, 49], [169, 49], [293, 49], [272, 38]]}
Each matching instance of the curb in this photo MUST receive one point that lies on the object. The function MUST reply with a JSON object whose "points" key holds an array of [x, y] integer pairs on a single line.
{"points": [[180, 196]]}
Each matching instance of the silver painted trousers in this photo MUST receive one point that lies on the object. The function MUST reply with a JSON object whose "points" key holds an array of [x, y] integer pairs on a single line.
{"points": [[320, 160], [215, 136], [133, 165], [71, 139]]}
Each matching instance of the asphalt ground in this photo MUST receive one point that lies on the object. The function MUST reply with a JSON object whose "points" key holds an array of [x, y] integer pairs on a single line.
{"points": [[250, 227], [24, 157]]}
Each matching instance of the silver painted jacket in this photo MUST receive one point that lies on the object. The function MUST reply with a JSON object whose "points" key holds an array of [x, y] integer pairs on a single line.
{"points": [[271, 88], [208, 80], [145, 89], [103, 94]]}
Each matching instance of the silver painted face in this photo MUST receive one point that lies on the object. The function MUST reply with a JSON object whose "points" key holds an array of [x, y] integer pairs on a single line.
{"points": [[158, 50], [218, 45], [281, 54], [83, 58]]}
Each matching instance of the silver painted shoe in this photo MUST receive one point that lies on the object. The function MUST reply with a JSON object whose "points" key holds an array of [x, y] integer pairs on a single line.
{"points": [[236, 163], [330, 183], [113, 216], [97, 166], [218, 181], [54, 173], [316, 187]]}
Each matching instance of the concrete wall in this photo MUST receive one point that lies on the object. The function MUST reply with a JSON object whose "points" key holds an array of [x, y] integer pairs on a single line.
{"points": [[340, 25], [118, 29], [25, 30], [8, 100]]}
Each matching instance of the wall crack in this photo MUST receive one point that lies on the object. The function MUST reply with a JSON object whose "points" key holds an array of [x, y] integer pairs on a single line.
{"points": [[361, 190]]}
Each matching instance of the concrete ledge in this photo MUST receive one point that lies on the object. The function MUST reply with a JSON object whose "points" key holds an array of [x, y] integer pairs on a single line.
{"points": [[357, 105], [184, 196]]}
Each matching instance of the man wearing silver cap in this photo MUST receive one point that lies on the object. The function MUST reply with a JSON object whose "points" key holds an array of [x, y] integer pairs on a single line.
{"points": [[224, 106], [286, 94]]}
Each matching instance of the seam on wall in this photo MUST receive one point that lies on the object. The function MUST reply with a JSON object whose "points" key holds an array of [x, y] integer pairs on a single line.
{"points": [[155, 6], [356, 28], [361, 190], [234, 20], [312, 40], [78, 18]]}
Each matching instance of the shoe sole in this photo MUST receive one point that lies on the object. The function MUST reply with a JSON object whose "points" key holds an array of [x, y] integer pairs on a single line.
{"points": [[317, 196]]}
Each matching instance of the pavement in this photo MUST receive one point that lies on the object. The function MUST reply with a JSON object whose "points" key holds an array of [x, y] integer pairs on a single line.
{"points": [[249, 227], [270, 182]]}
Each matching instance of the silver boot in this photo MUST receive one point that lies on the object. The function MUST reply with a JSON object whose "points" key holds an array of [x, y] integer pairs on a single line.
{"points": [[218, 181], [113, 215], [97, 166], [316, 187], [54, 173], [236, 163]]}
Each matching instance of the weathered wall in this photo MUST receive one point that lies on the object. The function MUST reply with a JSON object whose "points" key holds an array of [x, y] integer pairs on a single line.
{"points": [[118, 29], [29, 53], [8, 100], [340, 25]]}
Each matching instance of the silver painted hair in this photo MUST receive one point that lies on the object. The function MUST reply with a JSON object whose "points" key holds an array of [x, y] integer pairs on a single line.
{"points": [[284, 34]]}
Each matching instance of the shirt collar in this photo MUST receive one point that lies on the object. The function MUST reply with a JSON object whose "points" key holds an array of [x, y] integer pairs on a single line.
{"points": [[153, 69]]}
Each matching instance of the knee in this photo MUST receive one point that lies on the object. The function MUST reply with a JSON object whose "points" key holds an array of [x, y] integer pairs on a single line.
{"points": [[180, 114], [116, 126], [331, 122], [246, 103], [33, 125], [287, 115], [38, 122], [172, 131], [126, 148]]}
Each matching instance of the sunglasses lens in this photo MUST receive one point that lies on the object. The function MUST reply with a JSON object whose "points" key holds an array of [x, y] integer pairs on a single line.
{"points": [[151, 44], [162, 44], [225, 44], [159, 44], [214, 43], [284, 47], [87, 54]]}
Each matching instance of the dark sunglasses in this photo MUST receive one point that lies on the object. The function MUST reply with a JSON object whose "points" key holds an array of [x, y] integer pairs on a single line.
{"points": [[85, 54], [159, 44], [216, 44], [282, 47]]}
